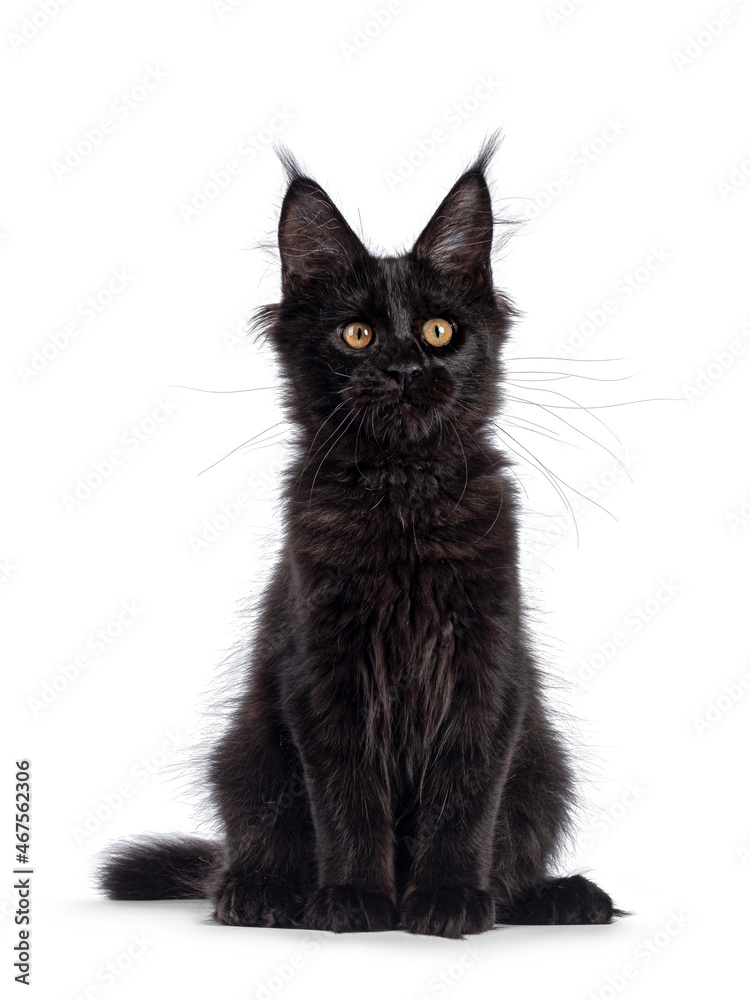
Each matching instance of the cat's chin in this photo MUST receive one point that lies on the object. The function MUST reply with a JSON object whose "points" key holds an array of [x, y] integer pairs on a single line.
{"points": [[405, 423]]}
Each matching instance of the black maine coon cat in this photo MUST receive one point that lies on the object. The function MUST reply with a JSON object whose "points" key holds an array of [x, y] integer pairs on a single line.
{"points": [[391, 763]]}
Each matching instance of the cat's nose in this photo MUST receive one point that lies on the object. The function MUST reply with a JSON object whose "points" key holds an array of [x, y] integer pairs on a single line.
{"points": [[404, 374]]}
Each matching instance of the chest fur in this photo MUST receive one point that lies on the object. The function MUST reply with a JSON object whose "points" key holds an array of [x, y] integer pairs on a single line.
{"points": [[402, 582]]}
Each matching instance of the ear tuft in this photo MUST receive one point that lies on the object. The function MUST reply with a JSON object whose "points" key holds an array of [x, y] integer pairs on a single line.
{"points": [[292, 167], [457, 241], [315, 241]]}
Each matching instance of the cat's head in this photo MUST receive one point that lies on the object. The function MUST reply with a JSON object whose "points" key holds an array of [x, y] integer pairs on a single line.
{"points": [[399, 351]]}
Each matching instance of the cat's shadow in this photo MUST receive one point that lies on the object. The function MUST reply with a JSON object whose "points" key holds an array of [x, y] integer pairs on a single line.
{"points": [[200, 912]]}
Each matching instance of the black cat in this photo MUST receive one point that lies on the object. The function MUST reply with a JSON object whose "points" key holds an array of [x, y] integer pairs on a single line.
{"points": [[391, 763]]}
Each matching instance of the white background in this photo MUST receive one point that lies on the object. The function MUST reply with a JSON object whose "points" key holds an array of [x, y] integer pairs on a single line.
{"points": [[650, 215]]}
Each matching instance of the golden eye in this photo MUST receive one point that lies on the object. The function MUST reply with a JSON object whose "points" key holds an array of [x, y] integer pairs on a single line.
{"points": [[357, 335], [437, 332]]}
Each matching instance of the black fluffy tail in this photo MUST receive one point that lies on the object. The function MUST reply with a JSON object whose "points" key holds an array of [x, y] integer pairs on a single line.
{"points": [[159, 868]]}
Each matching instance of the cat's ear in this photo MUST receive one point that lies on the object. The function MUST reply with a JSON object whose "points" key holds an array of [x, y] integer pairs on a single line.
{"points": [[315, 241], [457, 241]]}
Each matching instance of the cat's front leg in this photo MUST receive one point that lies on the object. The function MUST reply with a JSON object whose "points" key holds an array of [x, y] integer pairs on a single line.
{"points": [[345, 908], [248, 898], [259, 786], [354, 834], [448, 893]]}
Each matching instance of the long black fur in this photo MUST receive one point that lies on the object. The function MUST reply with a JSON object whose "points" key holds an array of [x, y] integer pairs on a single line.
{"points": [[391, 762]]}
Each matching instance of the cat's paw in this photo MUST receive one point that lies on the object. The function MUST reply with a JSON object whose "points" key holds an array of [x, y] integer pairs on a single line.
{"points": [[449, 911], [343, 908], [573, 900], [257, 900]]}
